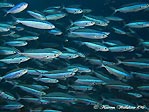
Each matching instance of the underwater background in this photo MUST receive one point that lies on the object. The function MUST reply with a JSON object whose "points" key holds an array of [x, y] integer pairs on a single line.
{"points": [[89, 59]]}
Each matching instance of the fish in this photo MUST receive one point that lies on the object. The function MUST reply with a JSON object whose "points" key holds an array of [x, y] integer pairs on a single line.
{"points": [[121, 48], [132, 8], [82, 88], [144, 76], [96, 47], [37, 15], [89, 81], [88, 33], [83, 23], [8, 25], [136, 95], [6, 4], [27, 38], [14, 74], [72, 10], [36, 23], [30, 91], [14, 59], [6, 96], [16, 43], [11, 107], [143, 88], [120, 87], [55, 16], [55, 97], [81, 69], [7, 50], [17, 8], [36, 72], [119, 31], [46, 80], [68, 55], [135, 63], [35, 101], [76, 57], [143, 24], [60, 75], [100, 21], [55, 32], [118, 72], [4, 29], [46, 53], [114, 18]]}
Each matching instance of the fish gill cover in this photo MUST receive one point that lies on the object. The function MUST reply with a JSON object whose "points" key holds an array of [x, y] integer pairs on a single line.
{"points": [[74, 55]]}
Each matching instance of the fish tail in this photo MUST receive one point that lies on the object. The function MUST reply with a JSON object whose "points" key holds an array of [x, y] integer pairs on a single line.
{"points": [[18, 98], [102, 65], [18, 51], [102, 99], [5, 14], [15, 19], [115, 11], [118, 61]]}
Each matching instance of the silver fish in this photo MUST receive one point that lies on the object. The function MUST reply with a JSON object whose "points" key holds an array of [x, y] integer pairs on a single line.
{"points": [[143, 24], [36, 24], [17, 8], [73, 10], [46, 53], [56, 16], [96, 47], [37, 15], [15, 74], [132, 8], [5, 4], [121, 48], [27, 38], [14, 59], [83, 23], [16, 43]]}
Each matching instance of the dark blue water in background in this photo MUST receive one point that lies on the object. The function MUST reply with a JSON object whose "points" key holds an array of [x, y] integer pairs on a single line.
{"points": [[99, 8]]}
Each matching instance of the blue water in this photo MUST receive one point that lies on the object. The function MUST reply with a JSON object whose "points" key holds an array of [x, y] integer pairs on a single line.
{"points": [[99, 8]]}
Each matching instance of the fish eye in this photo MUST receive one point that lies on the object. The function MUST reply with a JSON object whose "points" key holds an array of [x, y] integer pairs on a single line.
{"points": [[69, 56], [76, 55], [21, 59], [55, 54], [94, 83], [95, 36], [104, 35], [72, 74]]}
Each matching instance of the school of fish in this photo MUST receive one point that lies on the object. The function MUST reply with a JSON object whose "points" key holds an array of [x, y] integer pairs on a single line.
{"points": [[67, 59]]}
